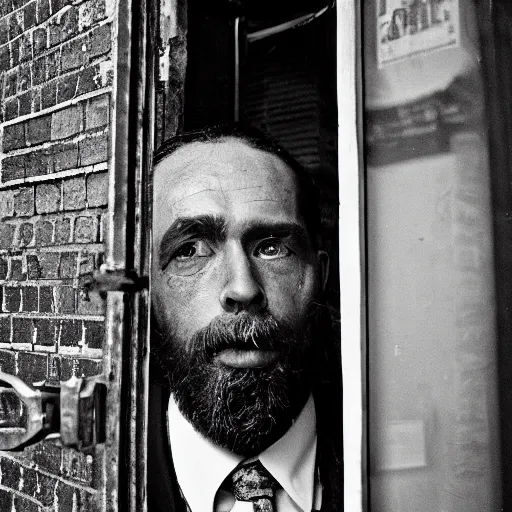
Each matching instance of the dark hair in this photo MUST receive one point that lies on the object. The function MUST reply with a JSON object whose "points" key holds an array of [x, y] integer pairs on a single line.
{"points": [[308, 194]]}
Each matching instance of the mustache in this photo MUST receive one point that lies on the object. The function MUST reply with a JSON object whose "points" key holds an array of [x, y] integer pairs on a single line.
{"points": [[244, 331]]}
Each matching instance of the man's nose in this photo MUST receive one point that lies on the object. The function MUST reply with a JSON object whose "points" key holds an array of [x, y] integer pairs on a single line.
{"points": [[242, 290]]}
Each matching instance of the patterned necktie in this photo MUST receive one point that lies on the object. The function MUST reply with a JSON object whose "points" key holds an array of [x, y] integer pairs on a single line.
{"points": [[252, 482]]}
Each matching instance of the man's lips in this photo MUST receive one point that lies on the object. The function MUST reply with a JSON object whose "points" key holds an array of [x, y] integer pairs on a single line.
{"points": [[243, 358]]}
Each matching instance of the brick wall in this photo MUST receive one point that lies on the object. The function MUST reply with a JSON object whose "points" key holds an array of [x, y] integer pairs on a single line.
{"points": [[55, 85]]}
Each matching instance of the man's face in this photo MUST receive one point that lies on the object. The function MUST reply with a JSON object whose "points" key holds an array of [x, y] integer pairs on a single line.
{"points": [[230, 245]]}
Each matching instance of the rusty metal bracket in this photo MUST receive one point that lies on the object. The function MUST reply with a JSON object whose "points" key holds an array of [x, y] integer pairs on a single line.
{"points": [[113, 280], [75, 409], [82, 412]]}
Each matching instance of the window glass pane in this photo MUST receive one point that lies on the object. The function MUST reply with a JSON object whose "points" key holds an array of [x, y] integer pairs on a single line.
{"points": [[432, 333]]}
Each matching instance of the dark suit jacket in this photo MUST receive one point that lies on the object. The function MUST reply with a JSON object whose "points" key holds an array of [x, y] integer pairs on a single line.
{"points": [[163, 491]]}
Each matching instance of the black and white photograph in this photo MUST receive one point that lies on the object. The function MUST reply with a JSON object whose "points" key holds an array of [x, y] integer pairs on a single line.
{"points": [[255, 256]]}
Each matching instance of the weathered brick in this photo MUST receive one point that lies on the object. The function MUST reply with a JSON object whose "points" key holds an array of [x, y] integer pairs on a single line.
{"points": [[6, 203], [73, 194], [57, 5], [32, 367], [40, 40], [67, 88], [11, 83], [7, 358], [71, 333], [15, 25], [90, 304], [24, 202], [47, 198], [49, 264], [29, 483], [94, 334], [87, 264], [36, 163], [39, 130], [97, 189], [65, 157], [90, 80], [26, 233], [30, 15], [36, 100], [46, 491], [46, 332], [39, 71], [100, 41], [33, 267], [68, 266], [10, 473], [62, 231], [65, 299], [25, 504], [73, 55], [4, 31], [13, 168], [14, 136], [12, 299], [46, 300], [25, 103], [3, 268], [24, 78], [77, 466], [67, 122], [30, 298], [93, 150], [5, 59], [17, 273], [26, 47], [80, 367], [44, 233], [49, 94], [85, 230], [43, 10], [53, 64], [14, 48], [97, 112], [11, 109], [5, 8], [6, 235], [91, 12], [64, 26], [47, 456]]}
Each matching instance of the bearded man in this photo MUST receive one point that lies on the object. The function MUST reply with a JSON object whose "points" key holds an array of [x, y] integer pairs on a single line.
{"points": [[247, 414]]}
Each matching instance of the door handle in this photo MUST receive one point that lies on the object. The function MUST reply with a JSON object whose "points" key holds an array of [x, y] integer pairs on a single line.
{"points": [[73, 411]]}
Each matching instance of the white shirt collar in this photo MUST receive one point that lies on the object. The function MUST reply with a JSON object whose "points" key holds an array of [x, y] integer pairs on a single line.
{"points": [[197, 461]]}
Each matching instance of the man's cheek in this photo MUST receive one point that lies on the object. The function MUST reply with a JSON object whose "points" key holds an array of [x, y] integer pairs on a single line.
{"points": [[289, 297]]}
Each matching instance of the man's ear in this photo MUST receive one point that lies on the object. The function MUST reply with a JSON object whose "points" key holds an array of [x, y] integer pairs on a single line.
{"points": [[323, 260]]}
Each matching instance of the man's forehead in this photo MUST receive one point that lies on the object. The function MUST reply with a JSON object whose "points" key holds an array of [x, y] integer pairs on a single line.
{"points": [[202, 177], [228, 156]]}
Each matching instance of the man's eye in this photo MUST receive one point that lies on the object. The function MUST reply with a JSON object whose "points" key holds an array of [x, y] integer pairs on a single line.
{"points": [[197, 249], [271, 249]]}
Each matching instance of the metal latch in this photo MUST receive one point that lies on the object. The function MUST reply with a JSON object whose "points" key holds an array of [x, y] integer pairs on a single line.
{"points": [[74, 411], [107, 279]]}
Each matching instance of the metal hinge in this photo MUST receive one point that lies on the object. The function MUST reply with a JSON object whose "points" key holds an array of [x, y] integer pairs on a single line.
{"points": [[107, 279], [73, 411]]}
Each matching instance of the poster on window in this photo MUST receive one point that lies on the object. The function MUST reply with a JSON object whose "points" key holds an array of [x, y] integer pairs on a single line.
{"points": [[407, 28]]}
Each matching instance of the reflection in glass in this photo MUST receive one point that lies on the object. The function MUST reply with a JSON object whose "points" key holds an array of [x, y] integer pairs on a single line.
{"points": [[432, 373]]}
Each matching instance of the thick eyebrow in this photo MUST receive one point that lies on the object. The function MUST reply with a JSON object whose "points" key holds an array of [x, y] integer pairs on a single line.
{"points": [[203, 226], [255, 231]]}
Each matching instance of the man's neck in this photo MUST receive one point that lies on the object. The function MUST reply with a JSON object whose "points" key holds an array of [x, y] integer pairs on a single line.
{"points": [[291, 460]]}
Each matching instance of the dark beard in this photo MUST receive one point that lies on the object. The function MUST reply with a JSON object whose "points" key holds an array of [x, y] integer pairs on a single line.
{"points": [[243, 410]]}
